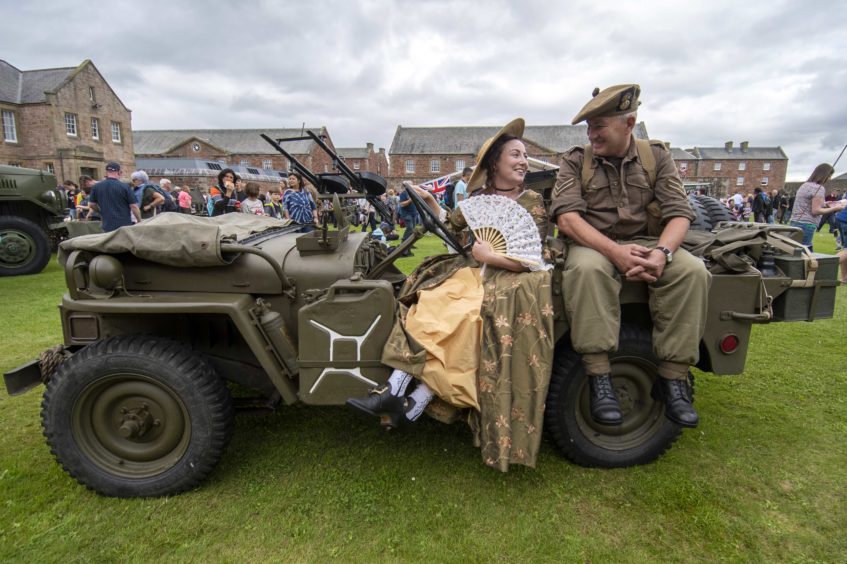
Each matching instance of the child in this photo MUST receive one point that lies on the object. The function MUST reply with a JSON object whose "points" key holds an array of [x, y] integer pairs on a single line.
{"points": [[273, 206], [251, 203]]}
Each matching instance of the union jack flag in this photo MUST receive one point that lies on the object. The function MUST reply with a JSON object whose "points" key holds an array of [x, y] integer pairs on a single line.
{"points": [[438, 185]]}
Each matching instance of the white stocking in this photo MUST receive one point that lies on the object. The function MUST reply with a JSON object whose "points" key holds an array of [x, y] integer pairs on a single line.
{"points": [[418, 400], [398, 381]]}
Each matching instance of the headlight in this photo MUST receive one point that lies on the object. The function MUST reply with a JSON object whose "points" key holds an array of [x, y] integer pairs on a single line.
{"points": [[49, 197]]}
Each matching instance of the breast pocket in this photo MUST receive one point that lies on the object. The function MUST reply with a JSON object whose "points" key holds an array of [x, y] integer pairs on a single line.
{"points": [[598, 194], [638, 186]]}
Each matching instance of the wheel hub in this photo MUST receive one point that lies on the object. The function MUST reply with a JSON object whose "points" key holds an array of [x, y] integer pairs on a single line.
{"points": [[132, 425], [15, 247], [136, 422]]}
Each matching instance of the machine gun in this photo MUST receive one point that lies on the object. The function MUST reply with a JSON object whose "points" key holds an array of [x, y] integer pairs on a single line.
{"points": [[367, 185]]}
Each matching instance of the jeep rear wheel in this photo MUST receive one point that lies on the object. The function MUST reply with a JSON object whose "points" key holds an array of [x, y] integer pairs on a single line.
{"points": [[24, 248], [137, 416], [645, 433]]}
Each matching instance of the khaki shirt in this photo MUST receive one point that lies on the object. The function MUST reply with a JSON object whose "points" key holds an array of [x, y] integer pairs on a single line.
{"points": [[615, 201]]}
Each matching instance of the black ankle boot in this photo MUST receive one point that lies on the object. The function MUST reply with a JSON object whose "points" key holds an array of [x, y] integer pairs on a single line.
{"points": [[677, 397], [380, 403], [605, 408]]}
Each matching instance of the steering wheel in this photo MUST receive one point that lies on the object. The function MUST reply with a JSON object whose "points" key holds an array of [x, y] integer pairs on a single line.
{"points": [[432, 224]]}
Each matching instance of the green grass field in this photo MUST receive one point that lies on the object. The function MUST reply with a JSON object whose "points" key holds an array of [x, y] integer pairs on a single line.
{"points": [[762, 478]]}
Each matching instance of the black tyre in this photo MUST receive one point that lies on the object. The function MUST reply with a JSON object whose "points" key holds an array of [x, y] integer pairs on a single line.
{"points": [[137, 416], [24, 248], [701, 222], [645, 433], [716, 211]]}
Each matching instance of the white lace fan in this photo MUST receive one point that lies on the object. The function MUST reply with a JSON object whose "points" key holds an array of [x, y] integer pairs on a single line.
{"points": [[507, 227]]}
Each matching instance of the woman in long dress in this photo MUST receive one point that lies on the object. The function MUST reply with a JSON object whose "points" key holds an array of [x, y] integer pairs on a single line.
{"points": [[477, 332]]}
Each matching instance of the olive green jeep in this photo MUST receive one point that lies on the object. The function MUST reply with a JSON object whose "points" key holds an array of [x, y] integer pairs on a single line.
{"points": [[162, 319], [32, 211]]}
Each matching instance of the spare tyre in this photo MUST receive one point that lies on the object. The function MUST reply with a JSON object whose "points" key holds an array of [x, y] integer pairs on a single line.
{"points": [[716, 211], [702, 221]]}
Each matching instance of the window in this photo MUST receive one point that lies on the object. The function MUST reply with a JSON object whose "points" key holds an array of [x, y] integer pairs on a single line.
{"points": [[10, 132], [116, 132], [214, 166], [267, 164], [410, 166], [253, 170], [766, 166], [742, 166], [95, 129], [70, 124], [739, 181], [357, 165], [717, 166], [434, 165], [283, 174], [245, 162], [764, 181], [49, 168], [91, 94], [460, 165]]}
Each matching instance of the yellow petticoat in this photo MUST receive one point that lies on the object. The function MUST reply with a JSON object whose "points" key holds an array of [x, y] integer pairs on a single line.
{"points": [[446, 322]]}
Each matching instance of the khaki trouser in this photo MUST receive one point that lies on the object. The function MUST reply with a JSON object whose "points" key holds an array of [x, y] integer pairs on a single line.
{"points": [[678, 303]]}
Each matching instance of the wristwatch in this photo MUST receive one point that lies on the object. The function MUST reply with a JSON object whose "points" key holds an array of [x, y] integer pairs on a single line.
{"points": [[668, 254]]}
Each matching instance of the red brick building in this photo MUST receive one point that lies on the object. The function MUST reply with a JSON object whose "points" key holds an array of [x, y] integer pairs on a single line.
{"points": [[730, 169], [66, 121], [423, 153], [365, 159]]}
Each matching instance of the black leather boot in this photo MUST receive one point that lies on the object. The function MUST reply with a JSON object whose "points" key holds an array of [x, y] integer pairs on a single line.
{"points": [[380, 403], [677, 397], [605, 408]]}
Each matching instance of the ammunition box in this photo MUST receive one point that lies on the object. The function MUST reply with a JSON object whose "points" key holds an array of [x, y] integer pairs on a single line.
{"points": [[809, 303]]}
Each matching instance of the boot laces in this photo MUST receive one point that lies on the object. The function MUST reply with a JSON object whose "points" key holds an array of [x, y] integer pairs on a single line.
{"points": [[603, 387]]}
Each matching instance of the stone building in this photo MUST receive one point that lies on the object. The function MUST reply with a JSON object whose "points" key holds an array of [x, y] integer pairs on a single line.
{"points": [[423, 153], [365, 159], [730, 169], [197, 155], [66, 121]]}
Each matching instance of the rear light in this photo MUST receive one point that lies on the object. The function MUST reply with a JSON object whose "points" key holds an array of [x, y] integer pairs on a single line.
{"points": [[729, 343]]}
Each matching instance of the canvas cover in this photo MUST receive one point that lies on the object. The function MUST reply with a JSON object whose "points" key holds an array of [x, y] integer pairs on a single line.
{"points": [[175, 239]]}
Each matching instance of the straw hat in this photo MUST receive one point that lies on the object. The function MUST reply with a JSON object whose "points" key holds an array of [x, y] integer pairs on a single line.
{"points": [[480, 175]]}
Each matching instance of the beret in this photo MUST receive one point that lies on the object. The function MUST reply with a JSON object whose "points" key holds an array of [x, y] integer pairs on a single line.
{"points": [[612, 101]]}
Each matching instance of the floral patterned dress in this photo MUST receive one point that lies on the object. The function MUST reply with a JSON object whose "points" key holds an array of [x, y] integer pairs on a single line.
{"points": [[516, 348]]}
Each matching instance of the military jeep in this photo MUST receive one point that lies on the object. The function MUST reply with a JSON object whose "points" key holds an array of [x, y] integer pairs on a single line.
{"points": [[32, 211], [162, 319]]}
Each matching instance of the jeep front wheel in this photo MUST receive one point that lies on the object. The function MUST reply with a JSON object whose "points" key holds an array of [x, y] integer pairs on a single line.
{"points": [[24, 248], [645, 433], [137, 416]]}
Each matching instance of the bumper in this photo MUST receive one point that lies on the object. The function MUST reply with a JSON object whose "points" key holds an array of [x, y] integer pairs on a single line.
{"points": [[23, 378]]}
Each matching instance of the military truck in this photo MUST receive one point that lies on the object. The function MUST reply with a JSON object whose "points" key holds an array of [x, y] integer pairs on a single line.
{"points": [[32, 211], [138, 396]]}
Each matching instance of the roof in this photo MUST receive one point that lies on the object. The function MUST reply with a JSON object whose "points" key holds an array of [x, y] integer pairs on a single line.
{"points": [[235, 141], [736, 154], [29, 87], [200, 167], [681, 155], [468, 140], [352, 152]]}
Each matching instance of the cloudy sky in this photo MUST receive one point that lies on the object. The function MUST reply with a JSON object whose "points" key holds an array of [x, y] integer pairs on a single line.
{"points": [[768, 72]]}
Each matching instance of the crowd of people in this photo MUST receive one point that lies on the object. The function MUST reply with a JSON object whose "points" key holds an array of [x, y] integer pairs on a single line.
{"points": [[780, 207]]}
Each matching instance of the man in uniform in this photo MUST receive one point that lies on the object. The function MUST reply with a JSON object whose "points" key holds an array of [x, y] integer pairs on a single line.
{"points": [[601, 201]]}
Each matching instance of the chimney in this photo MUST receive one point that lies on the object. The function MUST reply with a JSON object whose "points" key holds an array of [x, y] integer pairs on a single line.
{"points": [[728, 146], [370, 148], [744, 145], [382, 150]]}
